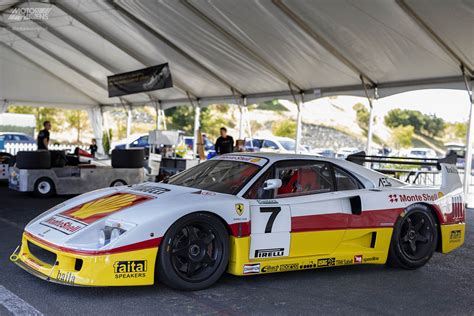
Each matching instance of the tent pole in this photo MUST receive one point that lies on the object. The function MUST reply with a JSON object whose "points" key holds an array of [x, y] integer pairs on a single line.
{"points": [[4, 107], [197, 116], [129, 124], [370, 129], [470, 130], [241, 121], [299, 122], [371, 115]]}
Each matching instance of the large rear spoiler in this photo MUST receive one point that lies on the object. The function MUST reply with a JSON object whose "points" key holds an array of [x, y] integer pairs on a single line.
{"points": [[360, 158]]}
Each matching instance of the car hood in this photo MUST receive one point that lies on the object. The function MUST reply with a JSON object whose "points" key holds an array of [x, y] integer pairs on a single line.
{"points": [[76, 223]]}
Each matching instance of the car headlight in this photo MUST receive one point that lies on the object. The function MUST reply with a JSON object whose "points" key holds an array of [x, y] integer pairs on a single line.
{"points": [[109, 234]]}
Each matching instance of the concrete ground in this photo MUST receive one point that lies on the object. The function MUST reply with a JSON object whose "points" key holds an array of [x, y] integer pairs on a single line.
{"points": [[444, 286]]}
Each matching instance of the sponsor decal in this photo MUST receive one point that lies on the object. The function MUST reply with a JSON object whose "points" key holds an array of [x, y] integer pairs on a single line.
{"points": [[63, 224], [254, 160], [269, 253], [344, 262], [371, 259], [267, 202], [326, 262], [151, 189], [96, 209], [251, 268], [384, 182], [202, 192], [239, 209], [66, 277], [425, 197], [270, 269], [310, 265], [393, 198], [281, 267], [440, 195], [130, 269], [455, 236], [358, 259]]}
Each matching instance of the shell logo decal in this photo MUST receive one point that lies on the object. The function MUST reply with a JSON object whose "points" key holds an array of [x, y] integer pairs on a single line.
{"points": [[96, 209]]}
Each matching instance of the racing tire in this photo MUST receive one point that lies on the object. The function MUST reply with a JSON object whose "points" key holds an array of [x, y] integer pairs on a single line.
{"points": [[194, 253], [118, 183], [128, 158], [414, 238], [44, 187], [40, 159]]}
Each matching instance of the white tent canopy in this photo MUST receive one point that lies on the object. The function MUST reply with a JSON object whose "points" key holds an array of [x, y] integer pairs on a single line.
{"points": [[232, 51], [220, 50]]}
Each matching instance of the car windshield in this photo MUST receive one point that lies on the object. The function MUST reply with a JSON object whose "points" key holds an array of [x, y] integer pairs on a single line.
{"points": [[288, 144], [222, 176]]}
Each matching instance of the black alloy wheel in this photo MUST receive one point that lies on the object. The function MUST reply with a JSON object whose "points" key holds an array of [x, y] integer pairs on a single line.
{"points": [[194, 252], [414, 238]]}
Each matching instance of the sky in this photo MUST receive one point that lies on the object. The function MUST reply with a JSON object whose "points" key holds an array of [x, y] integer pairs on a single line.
{"points": [[451, 105]]}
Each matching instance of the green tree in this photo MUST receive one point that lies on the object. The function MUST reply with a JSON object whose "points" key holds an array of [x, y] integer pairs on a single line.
{"points": [[284, 128], [181, 118], [430, 125], [434, 126], [402, 136], [460, 129], [362, 116], [77, 119], [41, 114]]}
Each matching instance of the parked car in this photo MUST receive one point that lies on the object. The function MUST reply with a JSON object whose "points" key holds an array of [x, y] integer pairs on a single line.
{"points": [[209, 149], [342, 153], [134, 141], [273, 144], [325, 152], [16, 138], [422, 153]]}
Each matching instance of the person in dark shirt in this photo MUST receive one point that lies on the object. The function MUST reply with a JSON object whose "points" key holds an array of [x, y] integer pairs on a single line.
{"points": [[93, 147], [225, 143], [43, 136]]}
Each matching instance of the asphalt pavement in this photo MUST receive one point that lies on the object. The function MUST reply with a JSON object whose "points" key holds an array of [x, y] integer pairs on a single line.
{"points": [[444, 286]]}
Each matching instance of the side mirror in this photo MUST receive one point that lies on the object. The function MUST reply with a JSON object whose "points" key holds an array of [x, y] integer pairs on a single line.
{"points": [[271, 184]]}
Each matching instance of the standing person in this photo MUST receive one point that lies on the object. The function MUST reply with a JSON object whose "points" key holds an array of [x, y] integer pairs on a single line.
{"points": [[93, 147], [225, 143], [43, 136]]}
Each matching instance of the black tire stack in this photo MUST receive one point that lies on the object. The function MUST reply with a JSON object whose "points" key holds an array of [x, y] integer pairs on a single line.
{"points": [[128, 158], [40, 159]]}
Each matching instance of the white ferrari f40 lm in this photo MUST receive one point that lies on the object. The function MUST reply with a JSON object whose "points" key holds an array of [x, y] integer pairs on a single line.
{"points": [[245, 214]]}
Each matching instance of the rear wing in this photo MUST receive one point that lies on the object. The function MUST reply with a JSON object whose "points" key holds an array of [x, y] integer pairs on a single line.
{"points": [[447, 165]]}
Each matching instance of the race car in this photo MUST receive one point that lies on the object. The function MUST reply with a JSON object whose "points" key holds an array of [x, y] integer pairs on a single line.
{"points": [[245, 214]]}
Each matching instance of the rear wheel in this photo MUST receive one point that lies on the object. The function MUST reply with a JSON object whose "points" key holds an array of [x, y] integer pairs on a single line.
{"points": [[118, 183], [414, 238], [194, 253]]}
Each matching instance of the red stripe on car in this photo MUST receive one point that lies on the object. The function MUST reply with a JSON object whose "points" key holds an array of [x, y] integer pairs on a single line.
{"points": [[368, 219]]}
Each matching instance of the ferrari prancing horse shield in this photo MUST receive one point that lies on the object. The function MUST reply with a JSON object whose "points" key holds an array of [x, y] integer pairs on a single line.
{"points": [[239, 209]]}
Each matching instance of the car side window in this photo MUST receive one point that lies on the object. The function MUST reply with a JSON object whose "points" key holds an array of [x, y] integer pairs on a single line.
{"points": [[345, 181], [303, 178], [270, 144]]}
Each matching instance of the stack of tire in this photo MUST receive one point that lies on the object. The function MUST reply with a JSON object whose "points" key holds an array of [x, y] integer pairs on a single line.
{"points": [[128, 158], [40, 159]]}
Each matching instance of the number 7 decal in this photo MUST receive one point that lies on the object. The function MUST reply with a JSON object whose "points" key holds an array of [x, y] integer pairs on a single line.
{"points": [[275, 211]]}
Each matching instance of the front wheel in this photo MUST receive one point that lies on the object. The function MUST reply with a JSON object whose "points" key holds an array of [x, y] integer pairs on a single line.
{"points": [[44, 187], [194, 252], [414, 238]]}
